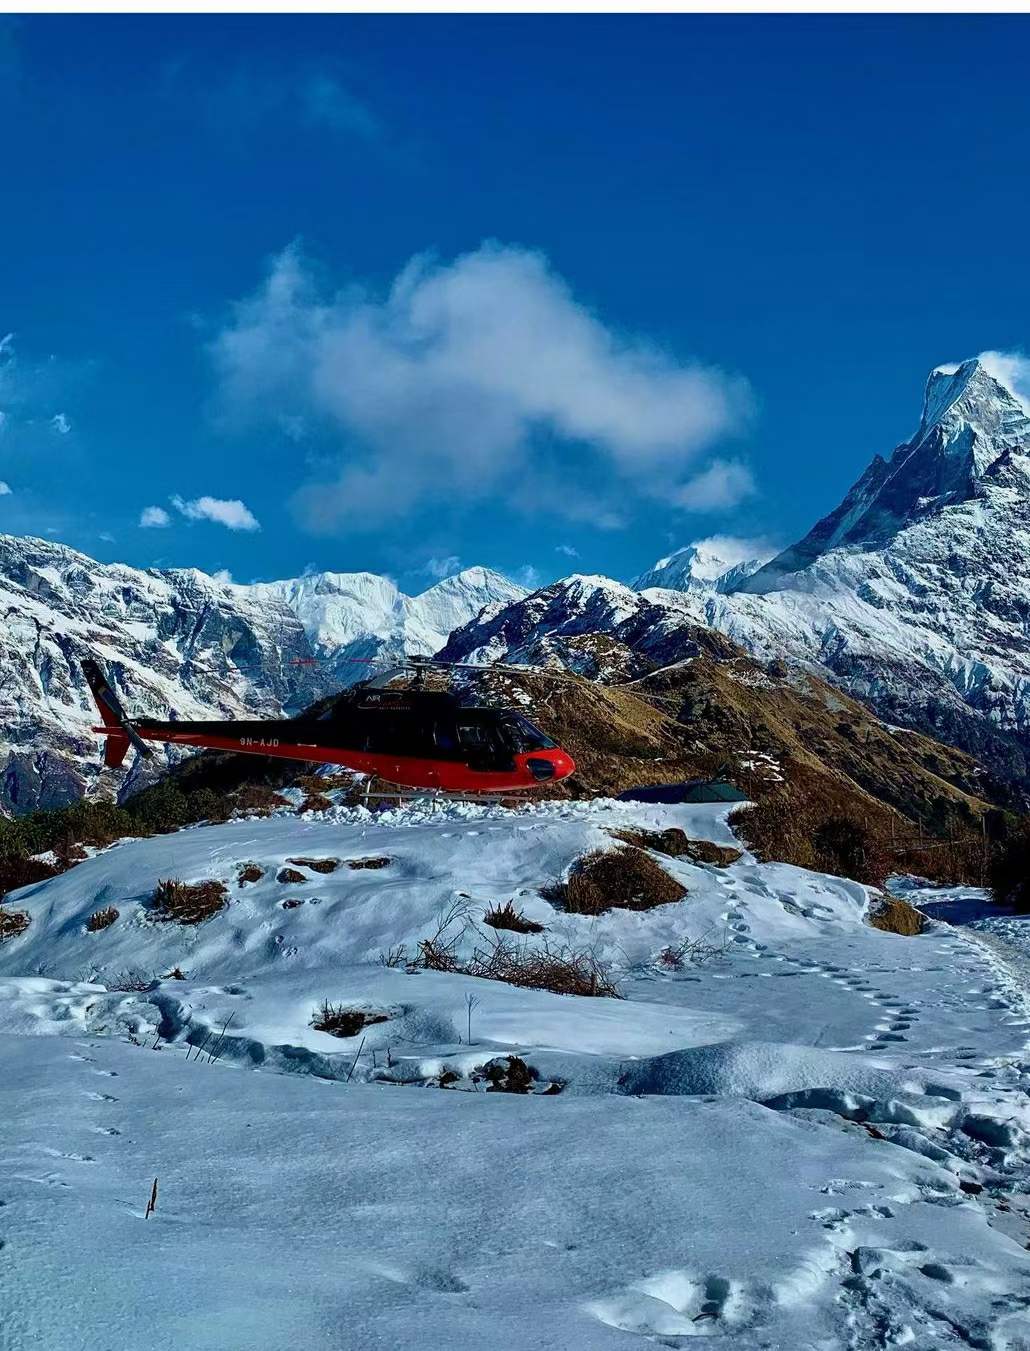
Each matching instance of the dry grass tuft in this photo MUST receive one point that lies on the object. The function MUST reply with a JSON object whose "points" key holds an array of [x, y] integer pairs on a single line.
{"points": [[368, 863], [507, 917], [289, 875], [101, 919], [897, 917], [250, 872], [317, 865], [189, 902], [619, 879], [558, 968], [12, 923], [340, 1021]]}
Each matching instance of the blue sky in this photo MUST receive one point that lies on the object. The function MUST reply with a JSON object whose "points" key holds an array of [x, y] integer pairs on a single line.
{"points": [[539, 292]]}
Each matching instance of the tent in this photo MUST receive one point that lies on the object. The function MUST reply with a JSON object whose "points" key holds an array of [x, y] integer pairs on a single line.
{"points": [[692, 790]]}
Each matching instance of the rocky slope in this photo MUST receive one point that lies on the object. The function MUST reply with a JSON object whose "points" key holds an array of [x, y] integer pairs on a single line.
{"points": [[913, 595], [177, 641]]}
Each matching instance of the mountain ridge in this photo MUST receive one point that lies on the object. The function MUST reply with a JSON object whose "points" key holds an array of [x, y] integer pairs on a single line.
{"points": [[178, 642]]}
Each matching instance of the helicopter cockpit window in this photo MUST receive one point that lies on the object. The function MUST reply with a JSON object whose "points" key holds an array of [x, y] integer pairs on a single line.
{"points": [[524, 736]]}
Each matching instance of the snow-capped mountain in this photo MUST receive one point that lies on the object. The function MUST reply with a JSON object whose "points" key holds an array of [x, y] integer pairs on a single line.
{"points": [[914, 594], [349, 617], [178, 642], [708, 565], [659, 626]]}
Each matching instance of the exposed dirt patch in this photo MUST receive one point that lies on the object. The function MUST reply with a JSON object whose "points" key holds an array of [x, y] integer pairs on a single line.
{"points": [[188, 902], [507, 917], [292, 902], [101, 919], [249, 872], [339, 1020], [615, 879], [290, 875], [368, 863], [12, 923], [317, 865], [675, 843]]}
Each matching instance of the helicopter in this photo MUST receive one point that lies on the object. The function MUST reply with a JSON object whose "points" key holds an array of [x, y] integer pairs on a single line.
{"points": [[415, 737]]}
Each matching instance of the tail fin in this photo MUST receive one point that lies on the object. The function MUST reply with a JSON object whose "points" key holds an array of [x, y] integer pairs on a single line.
{"points": [[113, 716]]}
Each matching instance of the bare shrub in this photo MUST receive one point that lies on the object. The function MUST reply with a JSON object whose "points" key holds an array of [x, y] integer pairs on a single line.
{"points": [[12, 923], [340, 1021], [258, 800], [249, 872], [507, 917], [897, 917], [101, 919], [19, 871], [188, 902], [623, 879], [368, 863], [315, 802], [394, 957], [558, 968], [317, 865], [289, 875], [132, 982], [692, 952]]}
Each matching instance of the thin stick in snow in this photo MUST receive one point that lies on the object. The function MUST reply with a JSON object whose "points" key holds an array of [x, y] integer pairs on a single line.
{"points": [[355, 1064], [152, 1203]]}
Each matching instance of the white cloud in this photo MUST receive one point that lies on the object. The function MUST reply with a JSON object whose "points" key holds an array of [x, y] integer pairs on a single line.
{"points": [[5, 489], [61, 424], [442, 567], [567, 550], [231, 513], [1011, 369], [154, 518], [326, 102], [722, 485], [527, 576], [438, 391], [223, 575], [733, 549]]}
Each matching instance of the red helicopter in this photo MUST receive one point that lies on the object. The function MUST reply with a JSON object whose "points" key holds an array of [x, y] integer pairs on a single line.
{"points": [[414, 737]]}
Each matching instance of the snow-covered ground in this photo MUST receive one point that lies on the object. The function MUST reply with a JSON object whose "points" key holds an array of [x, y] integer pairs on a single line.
{"points": [[815, 1140]]}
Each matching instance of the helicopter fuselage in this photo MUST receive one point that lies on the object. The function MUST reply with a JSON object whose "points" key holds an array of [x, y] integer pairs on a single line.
{"points": [[415, 738]]}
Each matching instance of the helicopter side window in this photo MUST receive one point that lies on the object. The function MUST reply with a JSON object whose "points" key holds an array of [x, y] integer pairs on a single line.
{"points": [[474, 736]]}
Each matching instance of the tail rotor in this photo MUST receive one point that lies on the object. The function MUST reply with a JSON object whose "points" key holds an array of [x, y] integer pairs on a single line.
{"points": [[121, 734]]}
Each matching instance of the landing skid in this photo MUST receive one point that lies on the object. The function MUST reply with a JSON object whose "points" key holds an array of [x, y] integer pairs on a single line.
{"points": [[438, 795]]}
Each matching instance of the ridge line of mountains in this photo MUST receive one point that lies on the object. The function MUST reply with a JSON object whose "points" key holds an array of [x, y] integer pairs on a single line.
{"points": [[912, 596]]}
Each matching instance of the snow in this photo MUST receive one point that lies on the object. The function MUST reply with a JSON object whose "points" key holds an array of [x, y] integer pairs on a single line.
{"points": [[781, 1146]]}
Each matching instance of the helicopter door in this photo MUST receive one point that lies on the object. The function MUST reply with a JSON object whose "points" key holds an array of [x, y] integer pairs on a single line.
{"points": [[481, 748]]}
